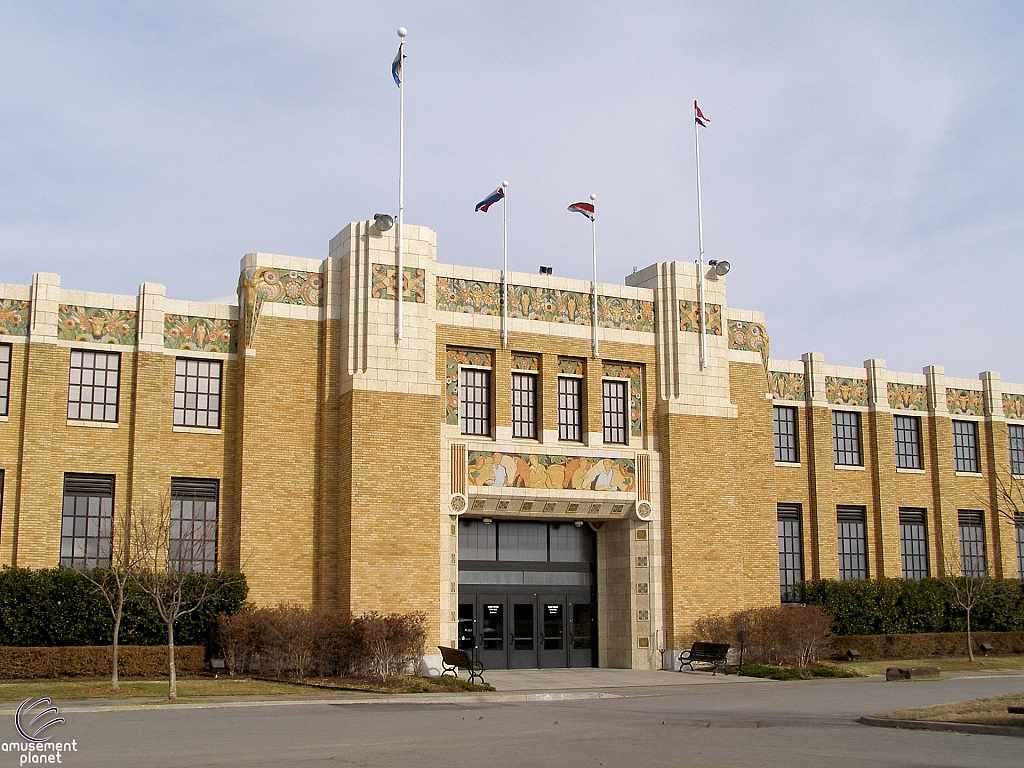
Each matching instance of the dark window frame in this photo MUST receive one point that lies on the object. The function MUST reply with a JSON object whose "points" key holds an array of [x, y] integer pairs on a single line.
{"points": [[198, 394], [1015, 436], [907, 434], [524, 405], [785, 434], [192, 501], [570, 409], [973, 561], [914, 543], [1019, 537], [852, 539], [86, 534], [475, 412], [6, 352], [791, 552], [615, 411], [87, 375], [846, 439], [965, 446]]}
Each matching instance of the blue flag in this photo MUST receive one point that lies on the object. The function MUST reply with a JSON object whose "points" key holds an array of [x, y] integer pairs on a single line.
{"points": [[396, 66]]}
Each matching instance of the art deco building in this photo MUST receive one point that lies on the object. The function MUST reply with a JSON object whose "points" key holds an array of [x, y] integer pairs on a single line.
{"points": [[575, 495]]}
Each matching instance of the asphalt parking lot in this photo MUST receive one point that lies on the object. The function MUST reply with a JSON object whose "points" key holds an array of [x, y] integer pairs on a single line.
{"points": [[615, 720]]}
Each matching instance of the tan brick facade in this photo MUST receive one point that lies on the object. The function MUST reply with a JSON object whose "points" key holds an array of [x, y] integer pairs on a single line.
{"points": [[343, 469]]}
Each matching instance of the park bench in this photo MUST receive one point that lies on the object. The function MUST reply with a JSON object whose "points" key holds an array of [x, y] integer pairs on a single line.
{"points": [[714, 654], [454, 659]]}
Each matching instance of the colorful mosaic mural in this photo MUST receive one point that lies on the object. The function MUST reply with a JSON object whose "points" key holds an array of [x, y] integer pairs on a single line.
{"points": [[525, 362], [634, 373], [205, 334], [14, 316], [842, 391], [1013, 406], [453, 359], [965, 402], [786, 386], [521, 470], [263, 284], [688, 311], [550, 305], [907, 397], [628, 314], [382, 283], [571, 366], [105, 326], [469, 296]]}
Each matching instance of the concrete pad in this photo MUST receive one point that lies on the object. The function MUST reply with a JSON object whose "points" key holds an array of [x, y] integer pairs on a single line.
{"points": [[590, 678]]}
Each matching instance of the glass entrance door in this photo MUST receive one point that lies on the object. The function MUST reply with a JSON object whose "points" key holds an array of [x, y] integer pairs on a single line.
{"points": [[523, 637], [553, 645], [581, 633], [491, 637]]}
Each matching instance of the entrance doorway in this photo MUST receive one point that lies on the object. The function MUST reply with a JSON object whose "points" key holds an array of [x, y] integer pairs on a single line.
{"points": [[526, 594]]}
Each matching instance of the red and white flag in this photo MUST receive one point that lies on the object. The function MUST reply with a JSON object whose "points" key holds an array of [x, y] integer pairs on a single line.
{"points": [[587, 209], [699, 116]]}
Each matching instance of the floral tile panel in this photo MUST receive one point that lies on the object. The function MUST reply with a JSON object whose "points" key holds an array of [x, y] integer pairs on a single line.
{"points": [[522, 470], [965, 402], [96, 324], [907, 397], [786, 386], [843, 391], [382, 283], [14, 317], [204, 334]]}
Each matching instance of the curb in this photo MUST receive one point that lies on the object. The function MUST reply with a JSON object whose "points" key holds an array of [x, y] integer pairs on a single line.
{"points": [[159, 705], [932, 725]]}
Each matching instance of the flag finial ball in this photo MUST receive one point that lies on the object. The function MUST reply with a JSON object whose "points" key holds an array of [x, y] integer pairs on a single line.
{"points": [[504, 184], [593, 197], [402, 32]]}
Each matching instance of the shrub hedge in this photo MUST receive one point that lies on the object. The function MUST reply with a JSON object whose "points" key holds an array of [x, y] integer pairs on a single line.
{"points": [[60, 607], [927, 644], [901, 606], [95, 661]]}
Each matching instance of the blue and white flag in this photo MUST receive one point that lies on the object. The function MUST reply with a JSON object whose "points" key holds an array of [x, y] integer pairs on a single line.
{"points": [[495, 196], [396, 65]]}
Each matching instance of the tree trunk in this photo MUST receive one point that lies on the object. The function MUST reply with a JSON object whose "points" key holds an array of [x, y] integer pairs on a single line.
{"points": [[172, 687], [970, 649], [117, 632]]}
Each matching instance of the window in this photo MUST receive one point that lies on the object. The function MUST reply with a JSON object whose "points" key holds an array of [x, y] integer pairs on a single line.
{"points": [[972, 543], [965, 446], [853, 543], [1016, 449], [475, 401], [196, 393], [846, 438], [5, 377], [524, 405], [570, 409], [913, 543], [85, 528], [192, 540], [92, 389], [908, 442], [785, 434], [613, 397], [791, 560], [1019, 528]]}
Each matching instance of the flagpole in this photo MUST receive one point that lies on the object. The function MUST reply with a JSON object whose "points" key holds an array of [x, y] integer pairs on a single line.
{"points": [[700, 242], [504, 264], [593, 230], [400, 270]]}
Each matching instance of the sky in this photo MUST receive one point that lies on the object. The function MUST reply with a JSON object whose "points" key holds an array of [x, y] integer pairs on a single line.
{"points": [[863, 170]]}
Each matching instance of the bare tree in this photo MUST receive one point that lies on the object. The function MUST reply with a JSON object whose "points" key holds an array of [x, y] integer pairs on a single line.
{"points": [[1009, 492], [111, 583], [165, 572], [968, 588]]}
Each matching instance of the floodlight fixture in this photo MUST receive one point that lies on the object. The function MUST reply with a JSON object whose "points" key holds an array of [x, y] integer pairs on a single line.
{"points": [[382, 222]]}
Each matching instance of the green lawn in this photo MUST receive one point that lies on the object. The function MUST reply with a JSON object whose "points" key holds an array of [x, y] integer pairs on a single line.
{"points": [[952, 664]]}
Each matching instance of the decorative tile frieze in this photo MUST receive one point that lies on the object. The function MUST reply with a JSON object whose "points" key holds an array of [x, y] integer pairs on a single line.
{"points": [[843, 391], [965, 402], [14, 317], [628, 314], [786, 386], [1013, 406], [633, 372], [96, 324], [382, 283], [261, 285], [206, 334], [907, 397], [470, 296], [522, 361], [523, 470], [571, 366], [688, 317]]}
